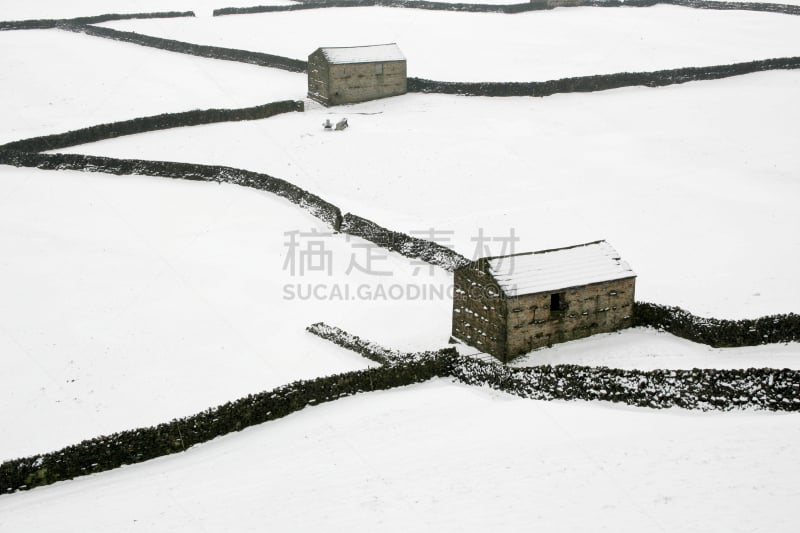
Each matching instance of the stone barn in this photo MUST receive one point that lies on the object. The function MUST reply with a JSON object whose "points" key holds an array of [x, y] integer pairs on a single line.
{"points": [[510, 305], [346, 75]]}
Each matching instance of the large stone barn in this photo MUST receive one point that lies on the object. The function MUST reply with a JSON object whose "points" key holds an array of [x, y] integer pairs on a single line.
{"points": [[510, 305], [346, 75]]}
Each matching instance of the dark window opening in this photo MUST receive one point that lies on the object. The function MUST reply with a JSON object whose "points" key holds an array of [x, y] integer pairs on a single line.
{"points": [[557, 302]]}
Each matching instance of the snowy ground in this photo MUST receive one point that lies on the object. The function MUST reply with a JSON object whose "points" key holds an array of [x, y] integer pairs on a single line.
{"points": [[445, 457], [646, 349], [120, 309], [127, 301], [57, 81], [695, 185], [539, 45]]}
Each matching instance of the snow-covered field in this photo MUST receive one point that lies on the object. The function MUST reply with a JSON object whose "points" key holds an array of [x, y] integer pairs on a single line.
{"points": [[445, 457], [121, 311], [695, 185], [127, 301], [57, 81], [539, 45]]}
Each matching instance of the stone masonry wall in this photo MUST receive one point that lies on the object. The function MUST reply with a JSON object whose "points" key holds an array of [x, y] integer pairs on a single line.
{"points": [[479, 311], [40, 24], [595, 308], [318, 77], [351, 83]]}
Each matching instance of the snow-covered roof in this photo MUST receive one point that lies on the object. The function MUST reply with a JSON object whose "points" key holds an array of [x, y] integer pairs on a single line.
{"points": [[562, 268], [363, 54]]}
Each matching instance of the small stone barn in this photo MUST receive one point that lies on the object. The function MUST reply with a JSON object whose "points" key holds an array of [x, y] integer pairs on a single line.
{"points": [[510, 305], [346, 75]]}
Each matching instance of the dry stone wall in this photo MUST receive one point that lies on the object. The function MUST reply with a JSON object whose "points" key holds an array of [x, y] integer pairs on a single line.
{"points": [[700, 389], [511, 7], [42, 24], [213, 52], [318, 207], [708, 389], [395, 241], [601, 82], [719, 333], [152, 123], [137, 445]]}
